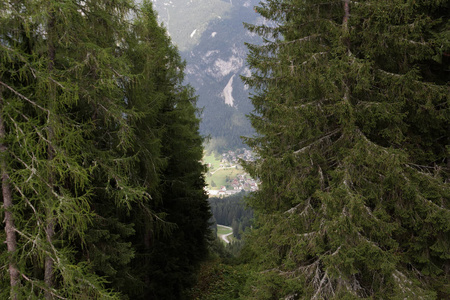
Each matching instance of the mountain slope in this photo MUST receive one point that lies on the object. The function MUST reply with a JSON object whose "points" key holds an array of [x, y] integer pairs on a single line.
{"points": [[186, 20], [212, 39]]}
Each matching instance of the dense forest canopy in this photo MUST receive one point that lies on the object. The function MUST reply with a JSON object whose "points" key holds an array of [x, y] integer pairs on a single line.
{"points": [[352, 108], [102, 185]]}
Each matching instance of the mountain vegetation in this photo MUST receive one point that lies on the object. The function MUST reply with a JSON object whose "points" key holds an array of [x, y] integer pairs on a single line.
{"points": [[232, 211], [213, 68], [211, 37], [103, 188], [102, 185], [352, 108]]}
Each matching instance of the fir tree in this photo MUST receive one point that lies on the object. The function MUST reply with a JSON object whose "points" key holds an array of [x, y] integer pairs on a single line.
{"points": [[168, 262], [352, 111], [146, 88]]}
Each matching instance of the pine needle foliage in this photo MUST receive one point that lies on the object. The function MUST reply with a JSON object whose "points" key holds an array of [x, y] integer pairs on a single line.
{"points": [[167, 263], [352, 114], [86, 88]]}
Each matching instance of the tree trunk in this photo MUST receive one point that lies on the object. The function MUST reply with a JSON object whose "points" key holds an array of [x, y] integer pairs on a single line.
{"points": [[346, 13], [50, 226], [148, 240], [345, 24], [11, 241], [347, 45]]}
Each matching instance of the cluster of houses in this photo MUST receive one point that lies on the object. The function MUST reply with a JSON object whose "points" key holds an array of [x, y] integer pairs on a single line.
{"points": [[241, 181], [244, 182], [237, 184], [233, 157]]}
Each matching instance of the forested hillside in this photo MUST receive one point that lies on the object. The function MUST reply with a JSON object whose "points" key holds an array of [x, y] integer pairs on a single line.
{"points": [[102, 185], [211, 37], [213, 68], [352, 105], [232, 211]]}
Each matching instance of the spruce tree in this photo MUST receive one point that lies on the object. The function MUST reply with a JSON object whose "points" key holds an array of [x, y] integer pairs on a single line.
{"points": [[352, 111], [166, 263], [145, 87], [158, 266], [176, 257]]}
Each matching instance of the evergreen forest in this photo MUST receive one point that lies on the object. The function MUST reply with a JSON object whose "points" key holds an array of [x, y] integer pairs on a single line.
{"points": [[352, 108], [100, 156], [102, 185], [232, 211]]}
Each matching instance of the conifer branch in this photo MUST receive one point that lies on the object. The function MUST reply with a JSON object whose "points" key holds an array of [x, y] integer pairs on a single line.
{"points": [[308, 270], [24, 98], [414, 42], [336, 251], [369, 241], [300, 40], [27, 201], [36, 130], [307, 234], [293, 209], [322, 285], [22, 58], [43, 288], [34, 240], [391, 74], [314, 57], [404, 283], [420, 195], [319, 140]]}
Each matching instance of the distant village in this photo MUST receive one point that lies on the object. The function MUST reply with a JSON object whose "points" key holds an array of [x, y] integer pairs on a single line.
{"points": [[231, 157], [240, 182]]}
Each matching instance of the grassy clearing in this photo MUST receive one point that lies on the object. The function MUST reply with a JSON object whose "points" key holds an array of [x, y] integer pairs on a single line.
{"points": [[220, 177], [213, 159]]}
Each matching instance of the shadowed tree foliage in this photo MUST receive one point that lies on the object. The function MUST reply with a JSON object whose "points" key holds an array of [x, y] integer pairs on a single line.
{"points": [[172, 259]]}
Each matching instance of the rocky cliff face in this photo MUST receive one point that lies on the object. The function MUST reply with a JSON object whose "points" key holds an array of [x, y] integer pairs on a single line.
{"points": [[186, 20], [213, 46]]}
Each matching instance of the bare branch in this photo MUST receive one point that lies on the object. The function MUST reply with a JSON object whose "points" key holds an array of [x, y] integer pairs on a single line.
{"points": [[328, 135], [314, 57]]}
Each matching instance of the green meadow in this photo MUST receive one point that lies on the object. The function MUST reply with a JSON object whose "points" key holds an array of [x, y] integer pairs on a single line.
{"points": [[217, 175]]}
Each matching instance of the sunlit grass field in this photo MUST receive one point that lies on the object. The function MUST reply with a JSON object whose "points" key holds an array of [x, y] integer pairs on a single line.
{"points": [[213, 159], [220, 177]]}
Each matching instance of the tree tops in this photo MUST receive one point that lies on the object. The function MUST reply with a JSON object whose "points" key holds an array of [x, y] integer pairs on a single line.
{"points": [[352, 111]]}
